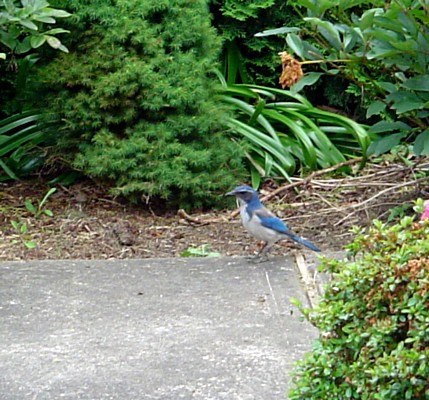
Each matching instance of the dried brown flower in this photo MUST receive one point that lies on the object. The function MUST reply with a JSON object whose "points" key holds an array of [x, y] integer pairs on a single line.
{"points": [[291, 70]]}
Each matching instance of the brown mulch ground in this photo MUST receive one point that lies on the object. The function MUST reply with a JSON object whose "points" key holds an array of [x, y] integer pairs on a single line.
{"points": [[89, 224]]}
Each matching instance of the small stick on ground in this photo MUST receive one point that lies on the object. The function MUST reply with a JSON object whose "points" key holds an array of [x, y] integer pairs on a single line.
{"points": [[310, 177], [197, 221]]}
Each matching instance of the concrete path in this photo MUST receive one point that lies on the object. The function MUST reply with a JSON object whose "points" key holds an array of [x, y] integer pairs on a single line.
{"points": [[195, 328]]}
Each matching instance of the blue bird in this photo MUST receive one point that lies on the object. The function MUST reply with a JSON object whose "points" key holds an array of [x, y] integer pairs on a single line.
{"points": [[261, 223]]}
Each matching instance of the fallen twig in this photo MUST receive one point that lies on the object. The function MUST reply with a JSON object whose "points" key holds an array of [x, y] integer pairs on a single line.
{"points": [[372, 198], [358, 182], [310, 177], [197, 221]]}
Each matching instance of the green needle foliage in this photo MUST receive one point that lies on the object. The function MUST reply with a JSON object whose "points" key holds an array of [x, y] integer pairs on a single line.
{"points": [[373, 319], [139, 108]]}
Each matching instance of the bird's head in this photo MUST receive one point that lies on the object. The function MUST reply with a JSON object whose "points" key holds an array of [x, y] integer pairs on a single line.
{"points": [[245, 194]]}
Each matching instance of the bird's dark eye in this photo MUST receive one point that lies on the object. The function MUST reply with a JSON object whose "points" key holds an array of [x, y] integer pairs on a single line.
{"points": [[246, 195]]}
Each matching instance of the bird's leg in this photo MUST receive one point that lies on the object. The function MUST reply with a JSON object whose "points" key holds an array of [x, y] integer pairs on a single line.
{"points": [[261, 255]]}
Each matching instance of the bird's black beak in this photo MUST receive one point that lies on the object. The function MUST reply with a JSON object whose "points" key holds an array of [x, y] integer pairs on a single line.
{"points": [[230, 194]]}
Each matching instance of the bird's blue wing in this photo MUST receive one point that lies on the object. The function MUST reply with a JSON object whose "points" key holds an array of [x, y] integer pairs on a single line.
{"points": [[270, 221]]}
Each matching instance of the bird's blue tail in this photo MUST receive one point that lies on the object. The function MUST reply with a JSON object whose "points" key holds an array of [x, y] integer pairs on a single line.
{"points": [[302, 241]]}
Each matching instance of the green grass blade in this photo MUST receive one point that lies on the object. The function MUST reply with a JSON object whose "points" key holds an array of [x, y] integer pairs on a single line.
{"points": [[8, 171], [264, 141], [25, 135], [300, 134], [251, 111]]}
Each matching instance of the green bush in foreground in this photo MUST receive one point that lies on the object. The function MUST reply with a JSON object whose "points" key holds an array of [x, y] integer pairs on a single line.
{"points": [[373, 320], [139, 108]]}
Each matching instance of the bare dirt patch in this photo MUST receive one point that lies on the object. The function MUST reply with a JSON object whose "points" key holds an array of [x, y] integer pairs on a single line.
{"points": [[89, 224]]}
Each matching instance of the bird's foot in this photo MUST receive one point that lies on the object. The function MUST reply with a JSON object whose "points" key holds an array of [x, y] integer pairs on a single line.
{"points": [[257, 259]]}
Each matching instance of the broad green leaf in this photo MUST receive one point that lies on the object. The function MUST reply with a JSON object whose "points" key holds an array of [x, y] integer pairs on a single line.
{"points": [[37, 4], [37, 40], [406, 46], [63, 48], [308, 79], [311, 6], [328, 30], [53, 42], [385, 144], [323, 5], [350, 39], [277, 31], [384, 126], [45, 20], [10, 41], [388, 87], [375, 108], [28, 24], [30, 244], [361, 37], [420, 82], [30, 207], [405, 101], [24, 46], [381, 52], [56, 31], [392, 27], [295, 43], [312, 52], [367, 19], [346, 4], [407, 21], [421, 145], [52, 12]]}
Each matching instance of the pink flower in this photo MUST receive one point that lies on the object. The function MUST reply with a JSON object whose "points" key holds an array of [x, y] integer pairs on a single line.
{"points": [[425, 214]]}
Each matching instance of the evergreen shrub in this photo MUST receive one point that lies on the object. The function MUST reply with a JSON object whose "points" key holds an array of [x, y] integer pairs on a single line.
{"points": [[139, 106], [373, 320]]}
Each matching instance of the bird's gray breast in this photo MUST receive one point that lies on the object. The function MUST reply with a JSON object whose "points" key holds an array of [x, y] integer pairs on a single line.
{"points": [[253, 225]]}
